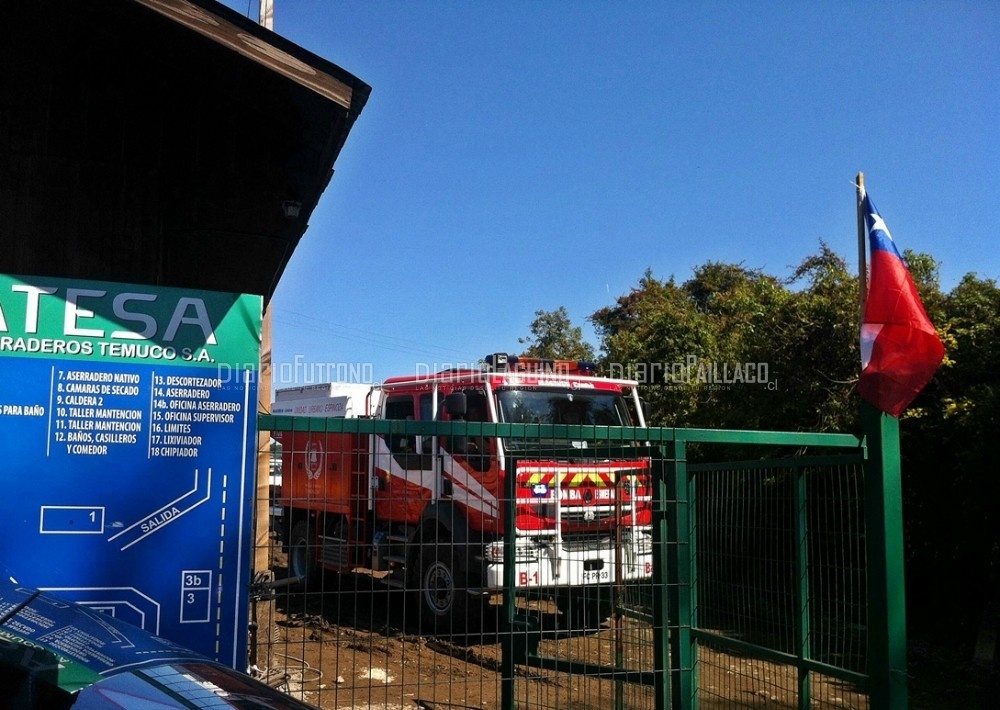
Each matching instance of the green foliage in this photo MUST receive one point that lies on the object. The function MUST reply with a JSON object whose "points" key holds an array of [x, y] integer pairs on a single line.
{"points": [[820, 357], [736, 348], [554, 336], [647, 336]]}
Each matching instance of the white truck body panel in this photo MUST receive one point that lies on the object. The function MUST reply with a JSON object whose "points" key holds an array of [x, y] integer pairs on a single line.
{"points": [[329, 399]]}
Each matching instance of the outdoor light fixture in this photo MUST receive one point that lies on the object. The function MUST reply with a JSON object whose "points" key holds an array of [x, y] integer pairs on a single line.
{"points": [[291, 209]]}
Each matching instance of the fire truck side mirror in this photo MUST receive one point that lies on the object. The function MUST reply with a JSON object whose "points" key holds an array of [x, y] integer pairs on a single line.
{"points": [[455, 404]]}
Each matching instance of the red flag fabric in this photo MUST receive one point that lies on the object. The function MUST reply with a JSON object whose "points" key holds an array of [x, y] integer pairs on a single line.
{"points": [[900, 348]]}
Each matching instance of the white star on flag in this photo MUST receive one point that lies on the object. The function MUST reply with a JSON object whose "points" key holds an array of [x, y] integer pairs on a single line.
{"points": [[879, 223]]}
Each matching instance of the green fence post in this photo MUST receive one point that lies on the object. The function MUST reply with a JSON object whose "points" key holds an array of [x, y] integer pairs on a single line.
{"points": [[680, 578], [886, 587], [803, 597], [507, 625], [661, 635]]}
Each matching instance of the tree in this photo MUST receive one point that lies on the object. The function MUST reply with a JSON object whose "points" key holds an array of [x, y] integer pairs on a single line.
{"points": [[650, 335], [554, 336], [819, 345]]}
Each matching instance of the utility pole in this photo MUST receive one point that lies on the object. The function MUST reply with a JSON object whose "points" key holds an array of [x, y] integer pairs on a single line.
{"points": [[266, 14], [262, 620]]}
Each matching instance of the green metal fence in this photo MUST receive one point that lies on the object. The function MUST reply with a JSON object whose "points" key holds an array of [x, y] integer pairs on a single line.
{"points": [[774, 583]]}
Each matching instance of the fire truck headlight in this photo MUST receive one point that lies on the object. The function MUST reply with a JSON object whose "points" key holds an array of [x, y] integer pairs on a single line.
{"points": [[641, 541], [524, 552], [494, 552]]}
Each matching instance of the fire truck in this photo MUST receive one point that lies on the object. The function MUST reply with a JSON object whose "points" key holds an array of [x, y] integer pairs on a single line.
{"points": [[427, 511]]}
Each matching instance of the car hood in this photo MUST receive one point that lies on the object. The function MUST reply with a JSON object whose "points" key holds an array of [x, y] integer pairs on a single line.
{"points": [[57, 654]]}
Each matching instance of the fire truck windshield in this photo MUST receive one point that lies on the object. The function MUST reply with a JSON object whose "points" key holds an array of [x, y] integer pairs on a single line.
{"points": [[558, 406]]}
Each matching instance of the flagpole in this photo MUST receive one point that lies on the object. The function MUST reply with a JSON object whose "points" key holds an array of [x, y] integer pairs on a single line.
{"points": [[862, 249], [884, 546]]}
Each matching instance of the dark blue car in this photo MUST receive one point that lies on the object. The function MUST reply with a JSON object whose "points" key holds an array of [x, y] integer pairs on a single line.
{"points": [[56, 654]]}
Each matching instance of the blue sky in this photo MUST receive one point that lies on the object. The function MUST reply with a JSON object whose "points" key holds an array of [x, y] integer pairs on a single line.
{"points": [[517, 156]]}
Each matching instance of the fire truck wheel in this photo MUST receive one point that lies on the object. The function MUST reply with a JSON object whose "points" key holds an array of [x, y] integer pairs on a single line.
{"points": [[301, 557], [444, 601]]}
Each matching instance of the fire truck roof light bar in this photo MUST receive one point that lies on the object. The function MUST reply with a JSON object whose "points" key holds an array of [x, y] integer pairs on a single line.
{"points": [[504, 362]]}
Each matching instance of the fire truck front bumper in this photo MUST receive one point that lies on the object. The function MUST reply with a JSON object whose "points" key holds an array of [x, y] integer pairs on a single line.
{"points": [[545, 563]]}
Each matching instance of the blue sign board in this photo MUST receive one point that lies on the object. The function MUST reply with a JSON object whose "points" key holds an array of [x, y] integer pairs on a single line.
{"points": [[128, 434]]}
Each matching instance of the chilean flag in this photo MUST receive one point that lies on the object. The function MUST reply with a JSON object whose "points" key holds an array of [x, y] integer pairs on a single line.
{"points": [[900, 349]]}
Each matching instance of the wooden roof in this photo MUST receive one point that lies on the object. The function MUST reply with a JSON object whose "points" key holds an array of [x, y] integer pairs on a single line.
{"points": [[165, 142]]}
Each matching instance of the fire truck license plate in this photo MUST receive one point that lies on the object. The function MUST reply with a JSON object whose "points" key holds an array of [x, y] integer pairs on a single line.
{"points": [[597, 575]]}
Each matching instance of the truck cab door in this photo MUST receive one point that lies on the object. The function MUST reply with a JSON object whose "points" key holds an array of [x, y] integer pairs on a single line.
{"points": [[404, 465]]}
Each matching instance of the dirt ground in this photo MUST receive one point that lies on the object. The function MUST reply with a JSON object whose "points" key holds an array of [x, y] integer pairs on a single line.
{"points": [[355, 645]]}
